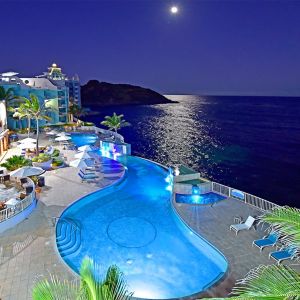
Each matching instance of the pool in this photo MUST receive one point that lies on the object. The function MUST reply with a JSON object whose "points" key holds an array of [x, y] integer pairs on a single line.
{"points": [[133, 225], [80, 139], [208, 198]]}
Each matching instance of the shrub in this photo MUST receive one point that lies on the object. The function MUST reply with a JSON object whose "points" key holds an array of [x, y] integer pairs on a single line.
{"points": [[55, 153], [16, 162], [88, 124], [57, 162], [42, 157]]}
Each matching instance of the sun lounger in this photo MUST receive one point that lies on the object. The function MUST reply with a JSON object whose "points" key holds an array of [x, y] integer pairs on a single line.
{"points": [[243, 226], [86, 172], [286, 253], [88, 177], [267, 241]]}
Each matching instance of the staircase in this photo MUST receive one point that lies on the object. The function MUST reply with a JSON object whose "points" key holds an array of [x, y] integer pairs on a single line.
{"points": [[68, 236]]}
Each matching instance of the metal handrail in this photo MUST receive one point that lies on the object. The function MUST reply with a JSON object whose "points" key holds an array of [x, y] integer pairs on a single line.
{"points": [[249, 199], [8, 213]]}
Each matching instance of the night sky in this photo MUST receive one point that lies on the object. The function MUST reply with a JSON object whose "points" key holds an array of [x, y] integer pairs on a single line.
{"points": [[215, 47]]}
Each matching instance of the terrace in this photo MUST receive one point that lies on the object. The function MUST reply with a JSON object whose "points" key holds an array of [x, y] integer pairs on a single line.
{"points": [[29, 249]]}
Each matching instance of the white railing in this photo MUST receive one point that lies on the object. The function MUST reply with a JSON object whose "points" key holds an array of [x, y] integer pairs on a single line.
{"points": [[7, 213], [258, 202]]}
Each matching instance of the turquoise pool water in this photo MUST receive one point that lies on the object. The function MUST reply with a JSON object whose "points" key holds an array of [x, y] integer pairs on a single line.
{"points": [[80, 139], [205, 199], [132, 224]]}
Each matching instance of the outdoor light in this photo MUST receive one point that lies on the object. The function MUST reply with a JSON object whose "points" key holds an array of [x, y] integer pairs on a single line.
{"points": [[195, 190]]}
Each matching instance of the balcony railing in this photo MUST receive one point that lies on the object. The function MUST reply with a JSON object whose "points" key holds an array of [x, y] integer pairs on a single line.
{"points": [[18, 208], [249, 199]]}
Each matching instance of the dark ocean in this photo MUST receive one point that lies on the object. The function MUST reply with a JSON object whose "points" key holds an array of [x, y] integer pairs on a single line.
{"points": [[249, 143]]}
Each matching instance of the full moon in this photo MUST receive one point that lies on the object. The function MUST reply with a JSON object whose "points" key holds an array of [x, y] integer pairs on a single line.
{"points": [[174, 9]]}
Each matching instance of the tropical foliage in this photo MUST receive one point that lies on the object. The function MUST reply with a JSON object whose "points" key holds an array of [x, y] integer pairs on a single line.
{"points": [[268, 282], [91, 286], [286, 221], [16, 162], [115, 122], [7, 95], [76, 111], [23, 111], [42, 157], [33, 110]]}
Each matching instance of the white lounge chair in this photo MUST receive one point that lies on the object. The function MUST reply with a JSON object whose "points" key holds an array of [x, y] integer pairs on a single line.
{"points": [[243, 226]]}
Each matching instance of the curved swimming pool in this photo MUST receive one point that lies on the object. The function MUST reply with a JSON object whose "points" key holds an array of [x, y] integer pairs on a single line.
{"points": [[132, 224]]}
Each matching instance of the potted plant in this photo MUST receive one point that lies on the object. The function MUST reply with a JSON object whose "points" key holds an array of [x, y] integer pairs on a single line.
{"points": [[57, 163], [42, 161], [16, 162]]}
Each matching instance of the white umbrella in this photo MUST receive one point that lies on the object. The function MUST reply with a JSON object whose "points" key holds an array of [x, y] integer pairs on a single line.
{"points": [[63, 134], [85, 148], [27, 146], [27, 140], [82, 155], [78, 163], [27, 171], [62, 138]]}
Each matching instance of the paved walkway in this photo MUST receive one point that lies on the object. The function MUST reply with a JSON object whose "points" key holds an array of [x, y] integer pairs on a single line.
{"points": [[29, 249]]}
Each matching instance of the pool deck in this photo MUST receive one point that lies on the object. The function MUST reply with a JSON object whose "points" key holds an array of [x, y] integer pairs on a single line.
{"points": [[213, 223], [29, 249]]}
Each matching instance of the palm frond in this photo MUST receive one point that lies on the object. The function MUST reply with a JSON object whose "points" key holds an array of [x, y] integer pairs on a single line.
{"points": [[116, 284], [268, 282], [54, 289], [285, 220]]}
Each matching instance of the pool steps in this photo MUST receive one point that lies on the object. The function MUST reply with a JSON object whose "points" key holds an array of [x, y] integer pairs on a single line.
{"points": [[68, 236]]}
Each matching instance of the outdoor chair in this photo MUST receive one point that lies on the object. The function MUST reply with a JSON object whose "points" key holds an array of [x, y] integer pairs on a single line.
{"points": [[243, 226], [29, 190], [267, 241], [6, 178], [285, 253], [23, 180]]}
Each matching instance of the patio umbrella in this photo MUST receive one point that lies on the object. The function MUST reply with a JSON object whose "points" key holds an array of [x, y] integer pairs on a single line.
{"points": [[82, 155], [27, 146], [63, 134], [27, 140], [85, 148], [27, 171], [79, 163], [63, 138]]}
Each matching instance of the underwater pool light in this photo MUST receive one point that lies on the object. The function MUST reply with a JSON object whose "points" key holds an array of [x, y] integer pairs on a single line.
{"points": [[169, 187], [195, 190]]}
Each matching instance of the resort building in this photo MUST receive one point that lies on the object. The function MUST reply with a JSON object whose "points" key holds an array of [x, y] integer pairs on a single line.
{"points": [[53, 89]]}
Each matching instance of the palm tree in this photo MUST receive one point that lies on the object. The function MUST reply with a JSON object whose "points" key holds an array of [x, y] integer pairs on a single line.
{"points": [[76, 111], [115, 122], [7, 96], [33, 110], [23, 111], [268, 282], [91, 286]]}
